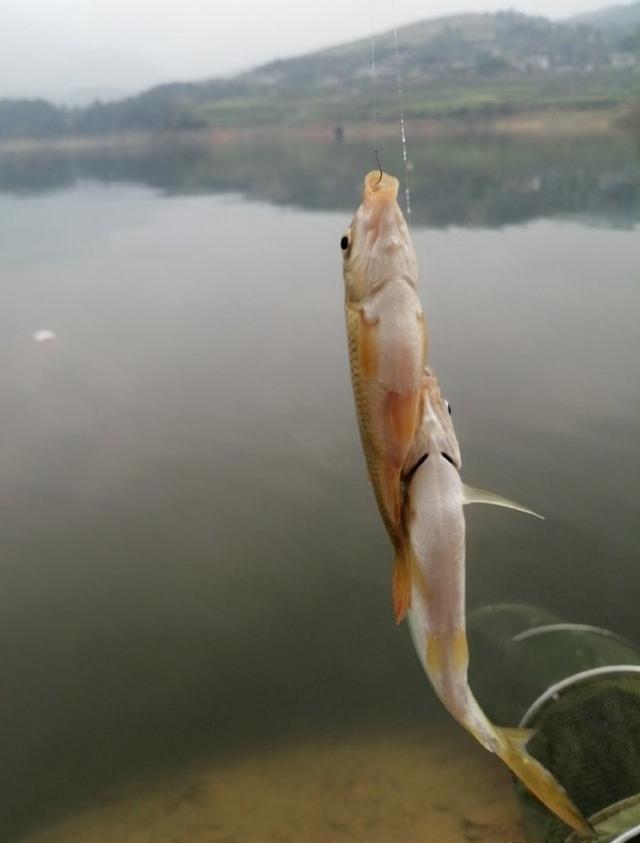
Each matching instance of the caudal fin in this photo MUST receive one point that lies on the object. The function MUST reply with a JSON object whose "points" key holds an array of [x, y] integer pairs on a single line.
{"points": [[539, 780]]}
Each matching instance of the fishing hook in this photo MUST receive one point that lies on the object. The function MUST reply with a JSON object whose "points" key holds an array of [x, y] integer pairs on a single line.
{"points": [[375, 152]]}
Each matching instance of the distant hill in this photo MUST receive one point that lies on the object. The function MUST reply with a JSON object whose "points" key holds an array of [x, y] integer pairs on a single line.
{"points": [[470, 65], [611, 17]]}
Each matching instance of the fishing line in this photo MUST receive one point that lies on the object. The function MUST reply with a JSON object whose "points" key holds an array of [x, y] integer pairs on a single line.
{"points": [[403, 134], [374, 98]]}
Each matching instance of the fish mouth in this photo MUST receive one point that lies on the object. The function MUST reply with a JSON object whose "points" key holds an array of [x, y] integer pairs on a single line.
{"points": [[379, 188], [379, 202]]}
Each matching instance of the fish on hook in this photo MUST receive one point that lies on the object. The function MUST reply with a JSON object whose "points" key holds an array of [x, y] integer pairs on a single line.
{"points": [[387, 340]]}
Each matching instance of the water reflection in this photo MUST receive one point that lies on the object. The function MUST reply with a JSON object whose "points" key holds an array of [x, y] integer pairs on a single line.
{"points": [[469, 181], [191, 563]]}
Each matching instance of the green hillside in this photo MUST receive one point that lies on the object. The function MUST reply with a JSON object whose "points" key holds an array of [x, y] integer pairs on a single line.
{"points": [[471, 66]]}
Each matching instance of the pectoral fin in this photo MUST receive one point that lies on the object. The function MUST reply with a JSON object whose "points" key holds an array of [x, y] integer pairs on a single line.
{"points": [[472, 495], [401, 585]]}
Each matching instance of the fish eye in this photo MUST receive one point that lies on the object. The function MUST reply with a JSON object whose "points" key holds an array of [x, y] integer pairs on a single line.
{"points": [[344, 242]]}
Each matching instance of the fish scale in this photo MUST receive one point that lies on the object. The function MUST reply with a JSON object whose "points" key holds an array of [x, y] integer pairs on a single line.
{"points": [[375, 464]]}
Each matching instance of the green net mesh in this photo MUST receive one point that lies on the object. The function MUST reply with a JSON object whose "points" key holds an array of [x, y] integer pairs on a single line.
{"points": [[517, 652], [589, 737], [588, 732]]}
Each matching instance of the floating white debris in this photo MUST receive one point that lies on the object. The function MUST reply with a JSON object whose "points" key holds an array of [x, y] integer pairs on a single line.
{"points": [[44, 336]]}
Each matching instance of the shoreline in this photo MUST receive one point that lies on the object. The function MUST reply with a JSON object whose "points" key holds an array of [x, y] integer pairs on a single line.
{"points": [[540, 123]]}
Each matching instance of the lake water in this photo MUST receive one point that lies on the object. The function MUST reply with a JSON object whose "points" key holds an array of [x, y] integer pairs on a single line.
{"points": [[191, 563]]}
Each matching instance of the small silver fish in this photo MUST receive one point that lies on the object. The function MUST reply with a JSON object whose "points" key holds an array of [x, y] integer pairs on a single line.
{"points": [[434, 525]]}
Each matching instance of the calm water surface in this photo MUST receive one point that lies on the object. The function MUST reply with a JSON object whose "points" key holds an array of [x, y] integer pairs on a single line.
{"points": [[191, 563]]}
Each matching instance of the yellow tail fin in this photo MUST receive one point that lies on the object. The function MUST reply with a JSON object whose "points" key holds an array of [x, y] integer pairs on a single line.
{"points": [[539, 780]]}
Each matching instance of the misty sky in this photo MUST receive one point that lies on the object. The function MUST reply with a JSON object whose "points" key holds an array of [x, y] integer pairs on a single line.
{"points": [[93, 44]]}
